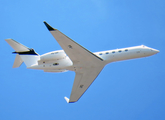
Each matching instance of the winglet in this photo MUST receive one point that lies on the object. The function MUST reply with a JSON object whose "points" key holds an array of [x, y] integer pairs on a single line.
{"points": [[50, 28], [67, 99]]}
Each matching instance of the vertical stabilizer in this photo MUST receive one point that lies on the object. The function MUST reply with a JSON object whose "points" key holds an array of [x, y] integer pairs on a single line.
{"points": [[18, 61], [30, 60]]}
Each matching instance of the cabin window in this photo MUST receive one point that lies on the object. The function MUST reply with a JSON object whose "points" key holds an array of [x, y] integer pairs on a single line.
{"points": [[126, 50], [113, 51], [119, 51], [56, 64], [100, 53], [107, 53]]}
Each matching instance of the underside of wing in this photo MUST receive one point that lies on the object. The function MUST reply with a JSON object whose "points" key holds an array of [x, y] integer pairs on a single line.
{"points": [[77, 53], [82, 81], [86, 64]]}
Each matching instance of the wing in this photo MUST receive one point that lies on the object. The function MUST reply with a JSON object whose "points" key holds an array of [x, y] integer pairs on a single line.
{"points": [[82, 81], [77, 53], [87, 65]]}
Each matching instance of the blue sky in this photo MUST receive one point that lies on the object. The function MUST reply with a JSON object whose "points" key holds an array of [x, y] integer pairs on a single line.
{"points": [[128, 90]]}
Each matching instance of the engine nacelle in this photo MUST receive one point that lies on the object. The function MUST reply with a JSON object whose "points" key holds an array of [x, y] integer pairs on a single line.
{"points": [[54, 55]]}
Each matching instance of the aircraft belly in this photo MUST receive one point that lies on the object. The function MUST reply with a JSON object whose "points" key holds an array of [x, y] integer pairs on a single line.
{"points": [[57, 70], [60, 64], [133, 55], [53, 64]]}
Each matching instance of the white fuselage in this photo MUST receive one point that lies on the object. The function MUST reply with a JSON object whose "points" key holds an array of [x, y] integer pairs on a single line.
{"points": [[58, 61]]}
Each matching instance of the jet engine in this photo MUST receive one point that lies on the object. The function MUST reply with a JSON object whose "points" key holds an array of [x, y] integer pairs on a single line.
{"points": [[55, 55]]}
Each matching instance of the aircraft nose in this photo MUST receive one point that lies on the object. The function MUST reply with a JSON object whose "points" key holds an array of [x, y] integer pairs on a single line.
{"points": [[155, 51]]}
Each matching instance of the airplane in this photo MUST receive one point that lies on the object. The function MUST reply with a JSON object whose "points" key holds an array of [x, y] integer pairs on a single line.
{"points": [[74, 57]]}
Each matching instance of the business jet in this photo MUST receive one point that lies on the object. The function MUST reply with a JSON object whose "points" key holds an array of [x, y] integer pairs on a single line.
{"points": [[74, 57]]}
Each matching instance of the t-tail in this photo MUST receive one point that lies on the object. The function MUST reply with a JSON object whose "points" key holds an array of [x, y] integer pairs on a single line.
{"points": [[24, 54]]}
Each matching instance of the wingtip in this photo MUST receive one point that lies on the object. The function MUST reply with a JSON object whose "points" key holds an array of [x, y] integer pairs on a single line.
{"points": [[8, 39], [67, 99], [50, 28]]}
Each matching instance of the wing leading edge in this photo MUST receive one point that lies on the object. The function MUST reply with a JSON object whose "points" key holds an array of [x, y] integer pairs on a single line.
{"points": [[87, 65], [76, 52]]}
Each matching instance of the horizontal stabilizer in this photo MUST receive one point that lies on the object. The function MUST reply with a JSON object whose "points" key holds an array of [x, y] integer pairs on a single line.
{"points": [[17, 46], [18, 61], [24, 54], [67, 99]]}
